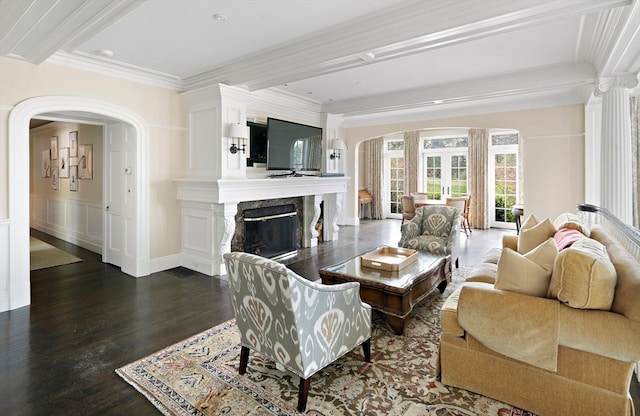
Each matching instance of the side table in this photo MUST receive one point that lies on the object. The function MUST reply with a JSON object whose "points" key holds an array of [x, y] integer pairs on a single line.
{"points": [[518, 211]]}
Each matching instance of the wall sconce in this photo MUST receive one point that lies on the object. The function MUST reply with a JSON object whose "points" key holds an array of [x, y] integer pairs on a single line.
{"points": [[337, 145], [238, 131]]}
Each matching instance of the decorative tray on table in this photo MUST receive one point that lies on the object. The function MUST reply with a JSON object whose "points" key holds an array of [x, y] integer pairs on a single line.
{"points": [[389, 258]]}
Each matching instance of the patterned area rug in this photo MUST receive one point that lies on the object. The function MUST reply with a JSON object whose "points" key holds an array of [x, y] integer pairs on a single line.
{"points": [[199, 376]]}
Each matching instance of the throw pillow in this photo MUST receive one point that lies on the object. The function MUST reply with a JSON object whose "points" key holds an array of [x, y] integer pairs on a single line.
{"points": [[583, 276], [573, 221], [527, 274], [544, 255], [531, 237], [529, 222], [565, 237]]}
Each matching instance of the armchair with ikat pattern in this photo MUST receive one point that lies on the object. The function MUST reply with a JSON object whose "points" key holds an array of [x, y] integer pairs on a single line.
{"points": [[434, 229], [300, 324]]}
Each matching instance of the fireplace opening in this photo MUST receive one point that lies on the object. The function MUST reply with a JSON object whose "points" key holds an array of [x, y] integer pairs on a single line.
{"points": [[271, 232]]}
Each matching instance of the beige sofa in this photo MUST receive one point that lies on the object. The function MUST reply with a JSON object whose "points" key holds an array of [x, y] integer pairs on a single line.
{"points": [[570, 351]]}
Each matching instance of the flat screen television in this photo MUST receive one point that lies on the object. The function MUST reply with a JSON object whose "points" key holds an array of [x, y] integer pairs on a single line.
{"points": [[293, 146], [257, 143]]}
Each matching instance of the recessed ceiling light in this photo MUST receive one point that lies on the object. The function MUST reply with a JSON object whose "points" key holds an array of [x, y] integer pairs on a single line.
{"points": [[219, 17], [438, 101], [367, 56], [106, 53]]}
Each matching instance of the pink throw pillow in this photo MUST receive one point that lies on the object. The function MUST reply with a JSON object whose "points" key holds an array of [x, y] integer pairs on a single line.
{"points": [[565, 237]]}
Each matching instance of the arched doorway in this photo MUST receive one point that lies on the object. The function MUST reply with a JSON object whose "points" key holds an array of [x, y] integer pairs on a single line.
{"points": [[19, 275]]}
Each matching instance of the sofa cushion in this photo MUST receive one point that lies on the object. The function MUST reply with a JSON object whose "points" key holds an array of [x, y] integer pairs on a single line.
{"points": [[492, 256], [483, 272], [449, 314], [527, 274], [572, 221], [535, 233], [583, 276]]}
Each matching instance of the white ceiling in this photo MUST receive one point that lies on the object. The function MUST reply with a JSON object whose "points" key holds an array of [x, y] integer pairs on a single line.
{"points": [[426, 57]]}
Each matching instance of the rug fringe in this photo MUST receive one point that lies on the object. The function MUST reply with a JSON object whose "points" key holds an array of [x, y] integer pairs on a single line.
{"points": [[145, 393]]}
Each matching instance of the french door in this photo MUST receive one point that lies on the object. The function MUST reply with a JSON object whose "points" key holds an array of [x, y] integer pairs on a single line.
{"points": [[393, 178], [445, 174], [503, 179]]}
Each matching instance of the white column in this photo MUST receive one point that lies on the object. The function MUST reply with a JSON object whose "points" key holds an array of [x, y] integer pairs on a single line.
{"points": [[615, 175]]}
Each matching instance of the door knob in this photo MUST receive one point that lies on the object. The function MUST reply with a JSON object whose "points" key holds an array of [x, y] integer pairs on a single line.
{"points": [[107, 207]]}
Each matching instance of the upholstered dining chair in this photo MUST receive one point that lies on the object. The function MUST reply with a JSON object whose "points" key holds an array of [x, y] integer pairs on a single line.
{"points": [[408, 208], [434, 229], [461, 203], [302, 325]]}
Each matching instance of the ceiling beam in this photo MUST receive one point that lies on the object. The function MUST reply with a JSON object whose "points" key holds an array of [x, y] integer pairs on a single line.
{"points": [[540, 79], [34, 30], [413, 27], [623, 55]]}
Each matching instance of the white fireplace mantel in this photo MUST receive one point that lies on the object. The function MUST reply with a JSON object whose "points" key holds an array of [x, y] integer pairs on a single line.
{"points": [[223, 191], [209, 207]]}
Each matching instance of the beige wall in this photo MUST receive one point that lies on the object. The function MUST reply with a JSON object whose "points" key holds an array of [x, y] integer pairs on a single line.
{"points": [[552, 148], [161, 108]]}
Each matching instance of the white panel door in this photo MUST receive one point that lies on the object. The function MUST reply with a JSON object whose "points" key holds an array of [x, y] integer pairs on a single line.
{"points": [[120, 197], [129, 193], [114, 185]]}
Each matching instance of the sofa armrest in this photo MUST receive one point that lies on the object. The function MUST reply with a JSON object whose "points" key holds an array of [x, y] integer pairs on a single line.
{"points": [[601, 332], [522, 327], [510, 241]]}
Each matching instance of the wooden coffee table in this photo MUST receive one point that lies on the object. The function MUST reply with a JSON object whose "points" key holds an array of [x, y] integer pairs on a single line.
{"points": [[393, 293]]}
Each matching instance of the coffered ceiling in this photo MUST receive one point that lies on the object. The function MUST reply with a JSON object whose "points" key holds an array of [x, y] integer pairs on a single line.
{"points": [[365, 59]]}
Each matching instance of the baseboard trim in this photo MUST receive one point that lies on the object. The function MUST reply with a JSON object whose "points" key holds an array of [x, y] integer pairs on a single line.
{"points": [[160, 264]]}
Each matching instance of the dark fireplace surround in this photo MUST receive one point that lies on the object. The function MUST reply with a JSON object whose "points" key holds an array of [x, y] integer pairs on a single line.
{"points": [[248, 209]]}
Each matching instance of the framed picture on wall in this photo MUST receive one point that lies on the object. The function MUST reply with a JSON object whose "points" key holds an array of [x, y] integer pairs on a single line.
{"points": [[73, 144], [85, 161], [73, 178], [63, 162], [46, 163], [54, 177], [54, 147]]}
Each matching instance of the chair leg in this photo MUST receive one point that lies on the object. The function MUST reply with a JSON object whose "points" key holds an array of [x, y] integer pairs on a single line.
{"points": [[366, 349], [244, 359], [463, 227], [303, 392], [457, 264]]}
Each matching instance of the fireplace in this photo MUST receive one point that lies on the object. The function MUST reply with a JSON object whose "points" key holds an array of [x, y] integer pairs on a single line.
{"points": [[271, 232]]}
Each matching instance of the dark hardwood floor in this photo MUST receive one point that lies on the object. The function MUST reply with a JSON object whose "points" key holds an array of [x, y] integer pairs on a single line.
{"points": [[58, 356]]}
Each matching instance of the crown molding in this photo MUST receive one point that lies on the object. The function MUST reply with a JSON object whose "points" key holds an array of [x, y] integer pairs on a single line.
{"points": [[81, 61], [276, 101]]}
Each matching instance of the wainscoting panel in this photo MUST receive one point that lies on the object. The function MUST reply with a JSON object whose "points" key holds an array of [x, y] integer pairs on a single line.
{"points": [[78, 222]]}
